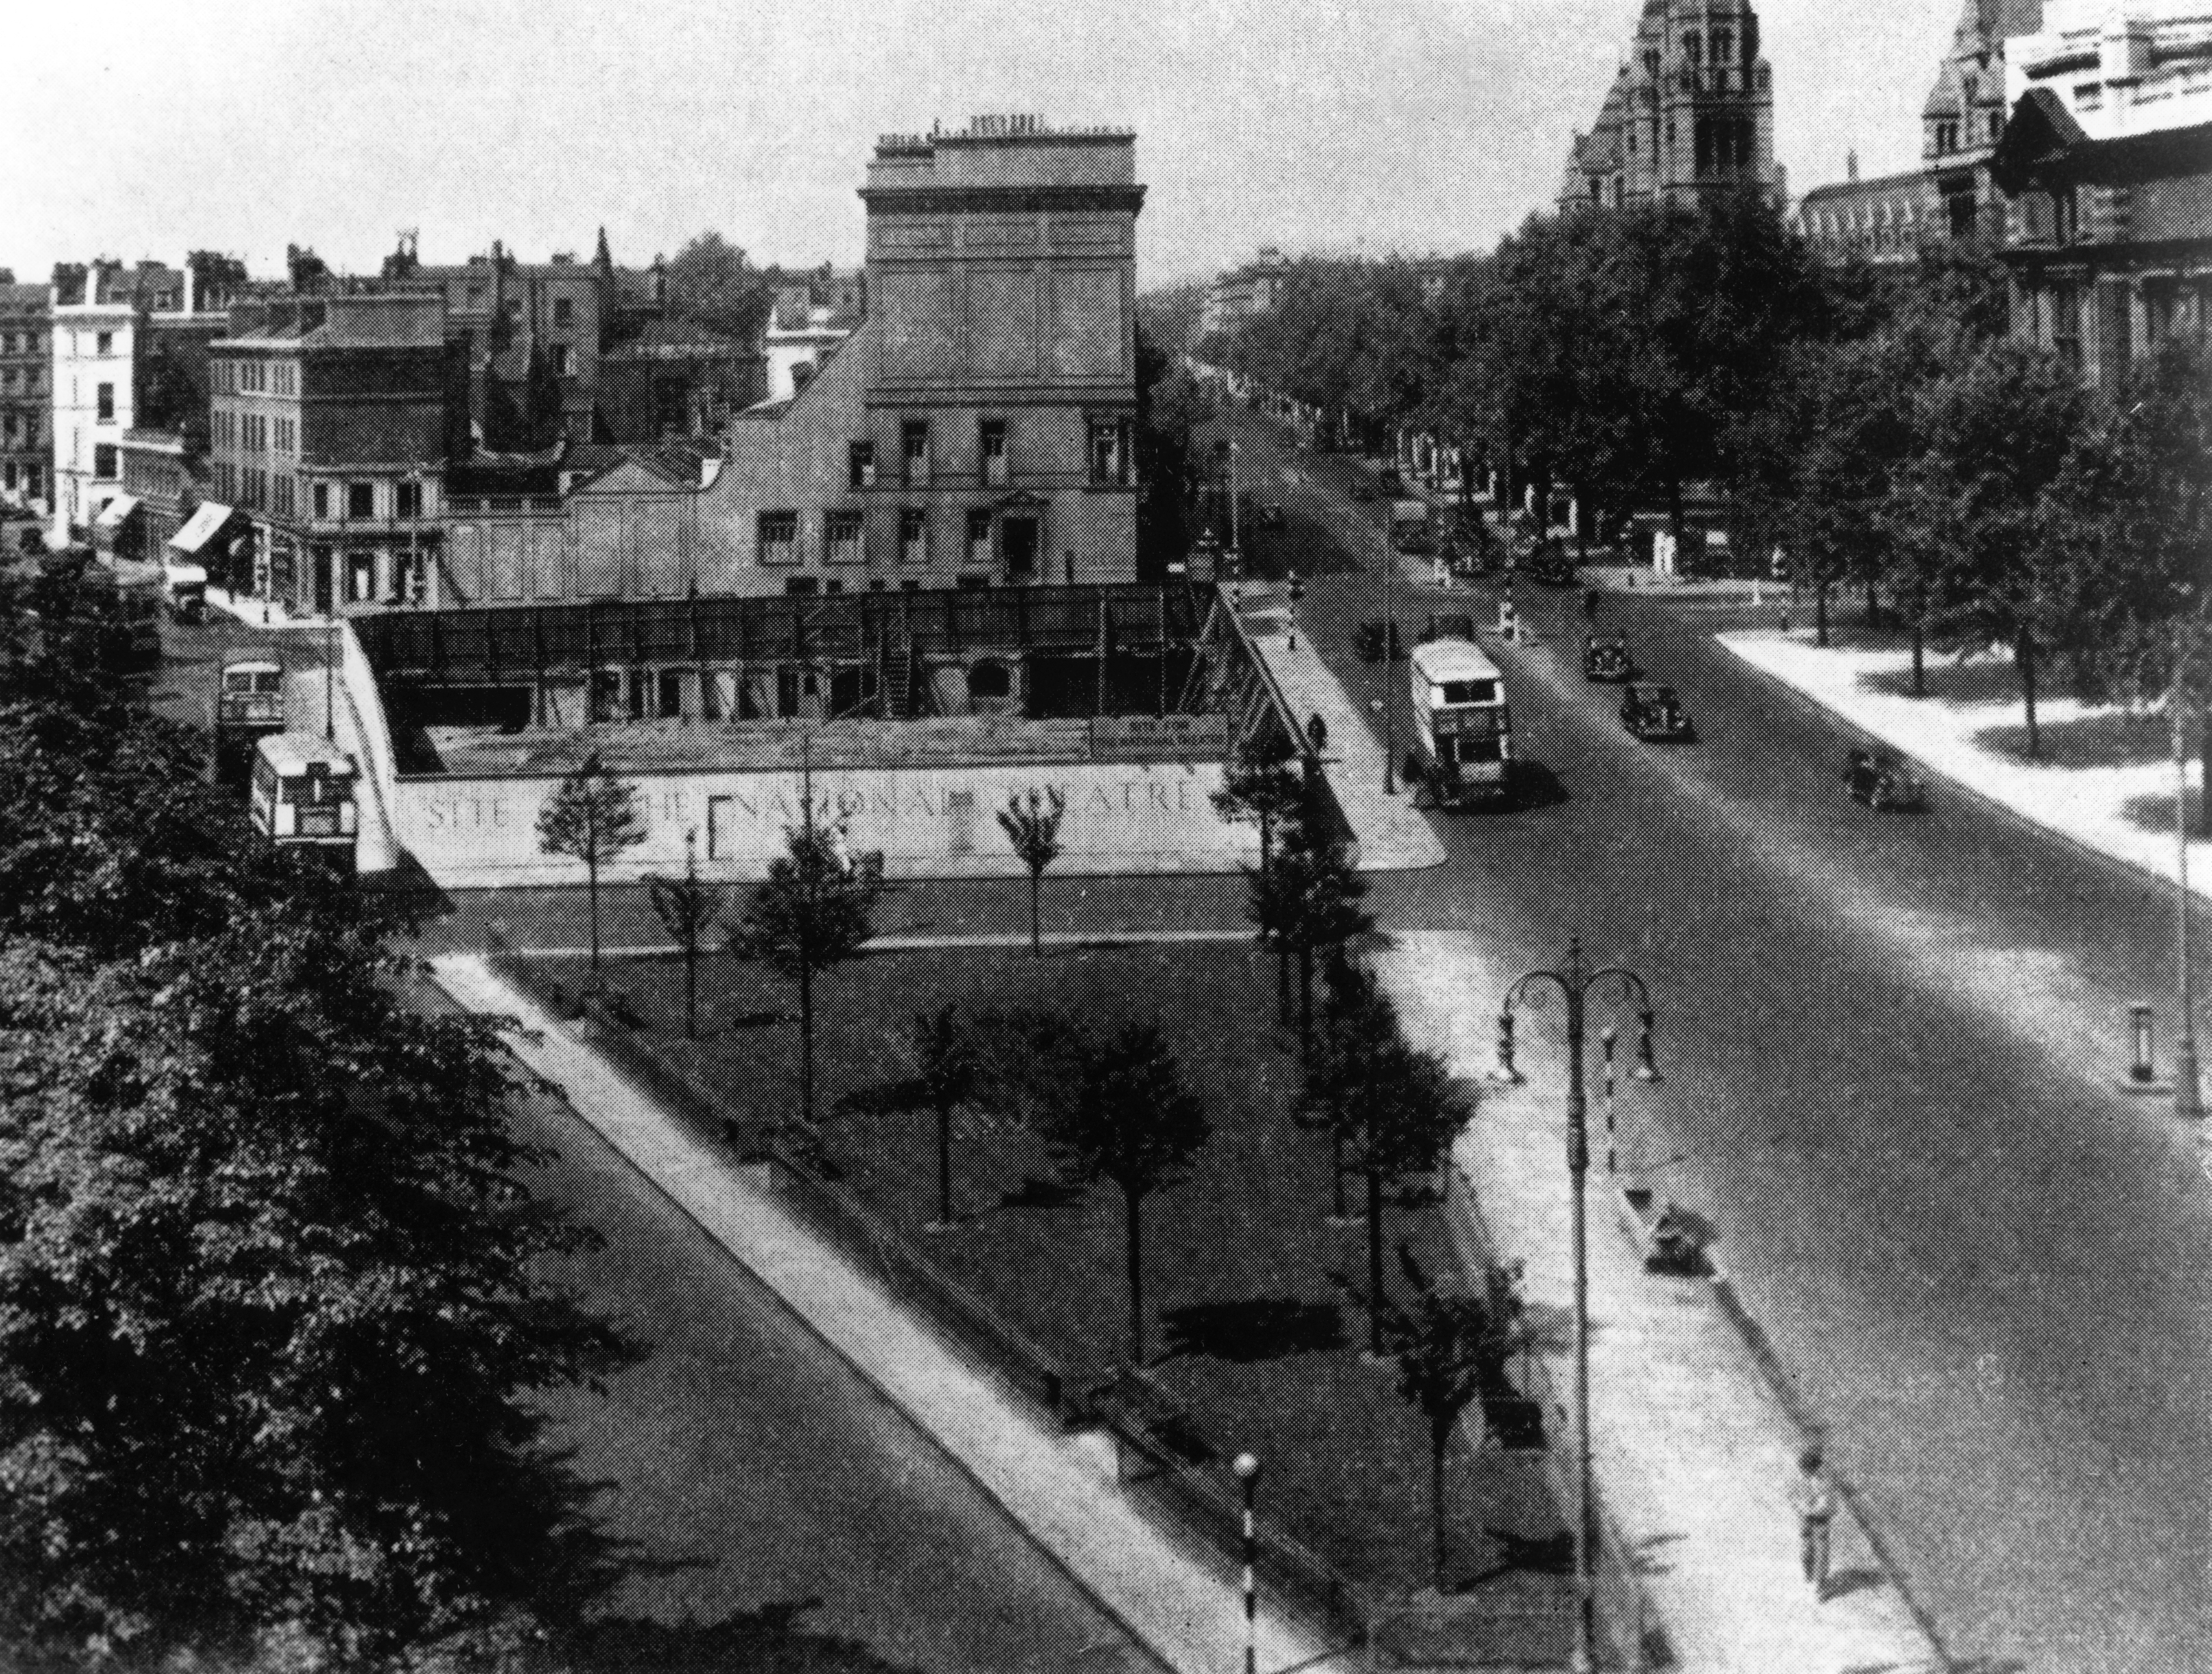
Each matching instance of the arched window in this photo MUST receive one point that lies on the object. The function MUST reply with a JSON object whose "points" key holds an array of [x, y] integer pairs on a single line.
{"points": [[990, 678], [1693, 47]]}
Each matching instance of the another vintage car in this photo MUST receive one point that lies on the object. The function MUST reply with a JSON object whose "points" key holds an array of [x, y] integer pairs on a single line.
{"points": [[1362, 488], [1883, 783], [1270, 514], [1656, 714], [1606, 660], [1367, 638], [1550, 565]]}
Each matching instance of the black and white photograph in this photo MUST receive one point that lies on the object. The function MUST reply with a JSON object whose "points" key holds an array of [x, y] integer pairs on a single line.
{"points": [[1105, 838]]}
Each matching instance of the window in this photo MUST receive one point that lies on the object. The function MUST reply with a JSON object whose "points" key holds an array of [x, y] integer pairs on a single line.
{"points": [[1947, 138], [800, 587], [322, 499], [841, 538], [564, 311], [995, 451], [104, 342], [860, 464], [103, 403], [564, 361], [284, 499], [1693, 48], [407, 500], [914, 444], [1723, 46], [1109, 452], [103, 461], [779, 537], [514, 307], [361, 499], [914, 535], [979, 538], [2066, 323]]}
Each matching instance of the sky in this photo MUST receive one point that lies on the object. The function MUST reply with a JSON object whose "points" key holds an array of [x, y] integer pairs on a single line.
{"points": [[1417, 126]]}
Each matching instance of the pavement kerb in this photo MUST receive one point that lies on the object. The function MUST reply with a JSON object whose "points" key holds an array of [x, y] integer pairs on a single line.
{"points": [[2118, 865], [1310, 1650]]}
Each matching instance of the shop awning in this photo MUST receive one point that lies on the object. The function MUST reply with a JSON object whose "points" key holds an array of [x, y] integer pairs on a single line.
{"points": [[116, 511], [200, 526]]}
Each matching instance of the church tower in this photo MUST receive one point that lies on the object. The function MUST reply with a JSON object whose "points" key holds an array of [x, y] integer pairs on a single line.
{"points": [[1690, 114]]}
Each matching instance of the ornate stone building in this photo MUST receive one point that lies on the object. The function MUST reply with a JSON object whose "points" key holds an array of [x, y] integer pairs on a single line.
{"points": [[26, 392], [1690, 114]]}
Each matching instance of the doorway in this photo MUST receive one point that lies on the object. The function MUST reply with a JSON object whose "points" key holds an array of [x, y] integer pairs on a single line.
{"points": [[1017, 539]]}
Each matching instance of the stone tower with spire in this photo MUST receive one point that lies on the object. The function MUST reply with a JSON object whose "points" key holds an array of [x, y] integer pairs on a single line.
{"points": [[1690, 113]]}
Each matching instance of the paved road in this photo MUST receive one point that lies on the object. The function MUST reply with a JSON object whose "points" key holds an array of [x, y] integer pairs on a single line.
{"points": [[761, 1473], [1890, 1044]]}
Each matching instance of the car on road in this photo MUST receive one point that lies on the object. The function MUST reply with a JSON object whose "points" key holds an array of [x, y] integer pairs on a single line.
{"points": [[1606, 660], [1362, 489], [1882, 782], [1389, 481], [1656, 714], [1550, 565], [1367, 638], [1413, 538], [1270, 514]]}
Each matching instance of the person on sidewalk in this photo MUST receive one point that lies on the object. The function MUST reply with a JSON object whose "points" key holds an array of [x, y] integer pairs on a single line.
{"points": [[1317, 733], [1814, 1498]]}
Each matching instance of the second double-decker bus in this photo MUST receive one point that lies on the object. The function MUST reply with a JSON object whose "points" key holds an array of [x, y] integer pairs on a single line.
{"points": [[303, 795], [1462, 724]]}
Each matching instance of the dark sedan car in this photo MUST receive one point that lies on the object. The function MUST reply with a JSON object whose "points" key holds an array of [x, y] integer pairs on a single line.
{"points": [[1362, 488], [1655, 715], [1607, 660]]}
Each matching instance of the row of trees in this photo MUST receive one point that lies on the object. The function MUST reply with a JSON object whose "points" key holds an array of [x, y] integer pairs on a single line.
{"points": [[1870, 425]]}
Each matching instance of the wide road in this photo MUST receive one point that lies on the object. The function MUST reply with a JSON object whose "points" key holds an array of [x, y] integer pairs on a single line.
{"points": [[786, 1515], [1890, 1045]]}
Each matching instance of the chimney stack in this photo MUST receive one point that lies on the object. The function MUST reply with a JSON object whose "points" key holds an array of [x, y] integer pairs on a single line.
{"points": [[1851, 164]]}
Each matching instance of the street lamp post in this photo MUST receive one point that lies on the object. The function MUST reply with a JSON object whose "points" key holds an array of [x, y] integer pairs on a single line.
{"points": [[1248, 1473], [2188, 1101], [1390, 673], [1574, 986]]}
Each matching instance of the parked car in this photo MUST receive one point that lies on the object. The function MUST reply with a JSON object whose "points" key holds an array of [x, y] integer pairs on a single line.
{"points": [[1550, 565], [1362, 488], [1606, 660], [1389, 481], [1656, 714]]}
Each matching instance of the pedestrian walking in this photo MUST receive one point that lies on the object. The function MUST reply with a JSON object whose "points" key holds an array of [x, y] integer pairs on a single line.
{"points": [[1589, 604], [1814, 1498], [1317, 733]]}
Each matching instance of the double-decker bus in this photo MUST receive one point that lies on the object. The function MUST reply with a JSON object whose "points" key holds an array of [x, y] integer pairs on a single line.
{"points": [[303, 795], [1462, 725]]}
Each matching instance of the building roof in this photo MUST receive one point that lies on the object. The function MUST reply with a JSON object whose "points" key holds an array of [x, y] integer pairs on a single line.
{"points": [[1839, 192], [664, 338], [24, 296], [673, 463]]}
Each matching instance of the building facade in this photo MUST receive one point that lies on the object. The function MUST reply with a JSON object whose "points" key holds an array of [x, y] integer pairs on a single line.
{"points": [[2106, 168], [1884, 220], [328, 433], [804, 329], [1690, 114], [27, 455], [1236, 296], [977, 430]]}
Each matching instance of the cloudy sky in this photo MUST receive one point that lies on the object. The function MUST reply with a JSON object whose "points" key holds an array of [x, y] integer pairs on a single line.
{"points": [[1393, 125]]}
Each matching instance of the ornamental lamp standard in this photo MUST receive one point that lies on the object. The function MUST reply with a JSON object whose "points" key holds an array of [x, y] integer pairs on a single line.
{"points": [[1247, 1475], [1575, 985]]}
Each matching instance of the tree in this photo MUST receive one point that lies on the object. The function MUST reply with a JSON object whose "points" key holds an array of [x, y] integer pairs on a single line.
{"points": [[1390, 1108], [945, 1054], [591, 819], [811, 913], [1317, 894], [710, 280], [1032, 825], [309, 273], [688, 909], [1264, 785], [273, 1309], [1449, 1347], [1129, 1119], [1997, 435]]}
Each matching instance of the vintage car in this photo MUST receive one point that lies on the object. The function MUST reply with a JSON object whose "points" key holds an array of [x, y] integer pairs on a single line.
{"points": [[1883, 784], [1606, 660], [1362, 488], [1448, 624], [1656, 714], [1271, 515], [1367, 638], [1550, 565]]}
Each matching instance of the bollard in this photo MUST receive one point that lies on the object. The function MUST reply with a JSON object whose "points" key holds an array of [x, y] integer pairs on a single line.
{"points": [[2144, 1070]]}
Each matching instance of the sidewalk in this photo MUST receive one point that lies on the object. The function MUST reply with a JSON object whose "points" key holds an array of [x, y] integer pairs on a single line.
{"points": [[1392, 836], [1693, 1453], [2088, 802], [1176, 1598], [259, 612]]}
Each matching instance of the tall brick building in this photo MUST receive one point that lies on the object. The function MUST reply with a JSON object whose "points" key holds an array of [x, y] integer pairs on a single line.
{"points": [[976, 430], [26, 391], [1690, 114]]}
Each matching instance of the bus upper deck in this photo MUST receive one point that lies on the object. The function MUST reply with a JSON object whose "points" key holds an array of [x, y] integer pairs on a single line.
{"points": [[1463, 724]]}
